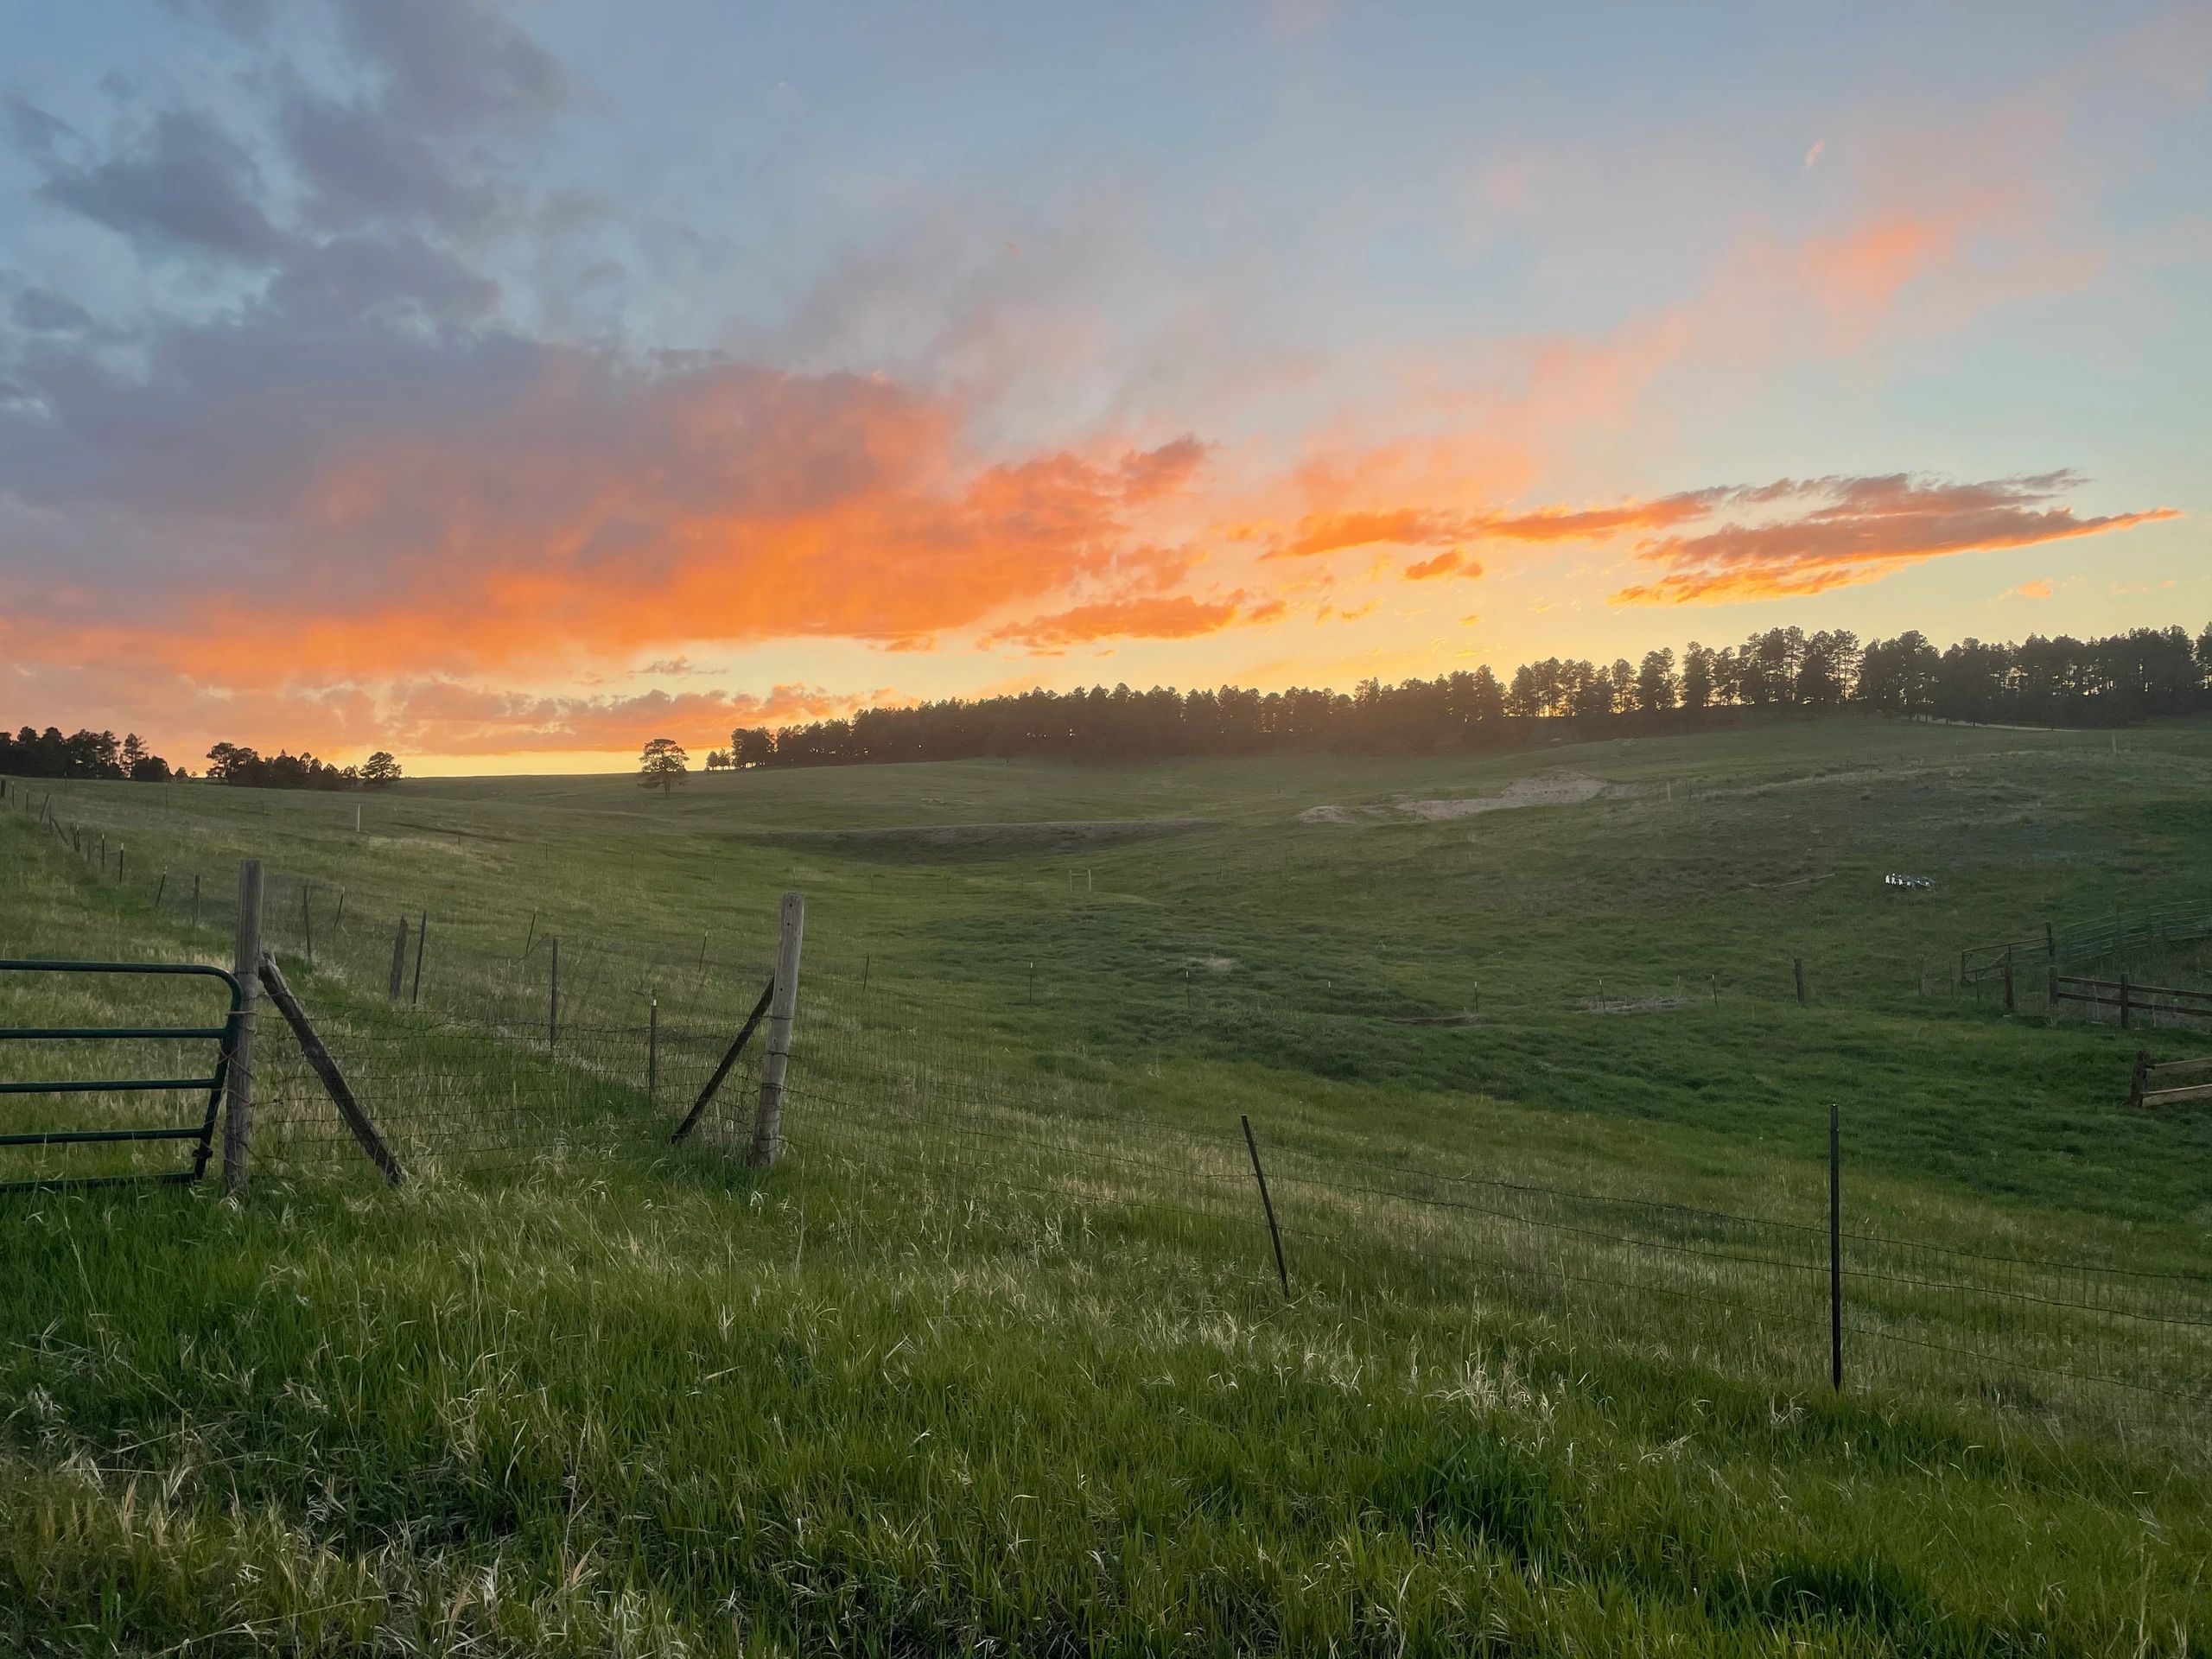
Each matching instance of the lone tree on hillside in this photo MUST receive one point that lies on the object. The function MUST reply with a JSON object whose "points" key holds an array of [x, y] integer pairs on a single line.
{"points": [[380, 770], [662, 764]]}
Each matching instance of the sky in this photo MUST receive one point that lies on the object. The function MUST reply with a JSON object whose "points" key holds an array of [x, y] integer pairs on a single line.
{"points": [[504, 384]]}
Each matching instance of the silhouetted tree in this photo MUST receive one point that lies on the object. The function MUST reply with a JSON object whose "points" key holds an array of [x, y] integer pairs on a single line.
{"points": [[1657, 692], [662, 764]]}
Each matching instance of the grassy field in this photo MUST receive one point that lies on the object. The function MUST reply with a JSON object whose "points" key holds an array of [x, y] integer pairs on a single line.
{"points": [[996, 1361]]}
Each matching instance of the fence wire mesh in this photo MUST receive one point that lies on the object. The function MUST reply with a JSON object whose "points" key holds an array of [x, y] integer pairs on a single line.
{"points": [[478, 1053]]}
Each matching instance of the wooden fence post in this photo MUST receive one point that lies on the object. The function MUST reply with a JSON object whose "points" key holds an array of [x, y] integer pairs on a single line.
{"points": [[1267, 1204], [2009, 1006], [2141, 1081], [307, 917], [2123, 1010], [237, 1088], [422, 938], [1836, 1248], [1798, 968], [729, 1058], [398, 963], [553, 998], [767, 1123], [195, 899], [652, 1050], [334, 1080]]}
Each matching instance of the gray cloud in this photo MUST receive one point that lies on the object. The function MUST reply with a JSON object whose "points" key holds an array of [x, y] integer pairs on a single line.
{"points": [[43, 312], [246, 18], [364, 164], [456, 64], [186, 184], [31, 130], [348, 277]]}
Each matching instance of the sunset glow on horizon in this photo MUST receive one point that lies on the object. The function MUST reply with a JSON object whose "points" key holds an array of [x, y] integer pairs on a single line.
{"points": [[504, 385]]}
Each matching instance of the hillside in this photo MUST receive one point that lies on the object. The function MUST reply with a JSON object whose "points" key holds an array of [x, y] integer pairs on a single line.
{"points": [[996, 1358]]}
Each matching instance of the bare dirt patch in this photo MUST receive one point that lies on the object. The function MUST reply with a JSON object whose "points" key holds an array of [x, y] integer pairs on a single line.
{"points": [[993, 837], [1546, 789], [1633, 1004]]}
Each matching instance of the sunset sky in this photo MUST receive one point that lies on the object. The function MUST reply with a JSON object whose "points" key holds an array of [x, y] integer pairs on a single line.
{"points": [[507, 385]]}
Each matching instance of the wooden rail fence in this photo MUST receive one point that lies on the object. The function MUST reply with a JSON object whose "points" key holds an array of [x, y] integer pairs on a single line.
{"points": [[2088, 941], [2129, 998], [2150, 1089]]}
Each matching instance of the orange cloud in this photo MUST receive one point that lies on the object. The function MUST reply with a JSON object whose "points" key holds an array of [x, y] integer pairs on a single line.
{"points": [[1862, 529], [2029, 590], [603, 513], [1329, 532], [1177, 617], [1444, 565], [441, 716]]}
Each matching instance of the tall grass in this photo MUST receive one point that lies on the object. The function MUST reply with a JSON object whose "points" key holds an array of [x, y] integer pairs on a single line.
{"points": [[995, 1361]]}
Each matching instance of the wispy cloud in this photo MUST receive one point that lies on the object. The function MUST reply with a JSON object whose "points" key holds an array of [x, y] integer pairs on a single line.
{"points": [[1830, 532]]}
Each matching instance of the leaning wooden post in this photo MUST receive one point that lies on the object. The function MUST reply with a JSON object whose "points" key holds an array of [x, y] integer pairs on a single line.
{"points": [[398, 963], [334, 1080], [1797, 967], [238, 1088], [767, 1124], [1836, 1248], [1267, 1204], [422, 938]]}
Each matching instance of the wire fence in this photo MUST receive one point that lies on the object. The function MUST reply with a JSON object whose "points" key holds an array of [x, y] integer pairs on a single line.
{"points": [[480, 1054], [2097, 940], [1746, 1296]]}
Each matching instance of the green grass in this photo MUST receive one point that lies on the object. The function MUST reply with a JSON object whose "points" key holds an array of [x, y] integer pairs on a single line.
{"points": [[920, 1389]]}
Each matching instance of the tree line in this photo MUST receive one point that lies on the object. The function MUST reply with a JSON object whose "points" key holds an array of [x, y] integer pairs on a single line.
{"points": [[31, 754], [233, 763], [2115, 680]]}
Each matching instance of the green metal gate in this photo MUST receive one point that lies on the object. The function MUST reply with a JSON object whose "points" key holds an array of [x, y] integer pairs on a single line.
{"points": [[199, 1134]]}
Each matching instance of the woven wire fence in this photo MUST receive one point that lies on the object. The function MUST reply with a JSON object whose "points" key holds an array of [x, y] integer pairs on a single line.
{"points": [[478, 1054], [910, 1108], [2104, 939]]}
